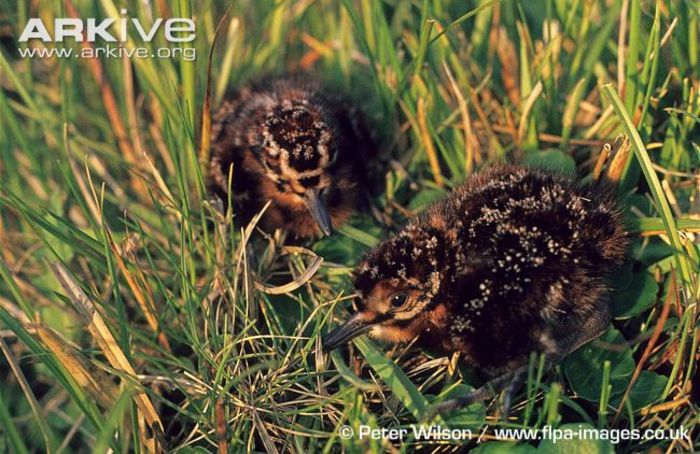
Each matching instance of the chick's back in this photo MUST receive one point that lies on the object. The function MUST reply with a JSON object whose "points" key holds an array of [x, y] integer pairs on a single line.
{"points": [[530, 261]]}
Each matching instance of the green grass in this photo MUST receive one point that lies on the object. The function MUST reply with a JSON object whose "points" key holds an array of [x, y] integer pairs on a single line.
{"points": [[128, 300]]}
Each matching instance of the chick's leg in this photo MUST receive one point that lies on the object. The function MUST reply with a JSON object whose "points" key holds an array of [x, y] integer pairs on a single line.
{"points": [[556, 348], [487, 391], [585, 329], [554, 344]]}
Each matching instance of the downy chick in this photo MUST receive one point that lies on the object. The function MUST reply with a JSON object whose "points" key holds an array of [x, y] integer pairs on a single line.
{"points": [[293, 143], [514, 260]]}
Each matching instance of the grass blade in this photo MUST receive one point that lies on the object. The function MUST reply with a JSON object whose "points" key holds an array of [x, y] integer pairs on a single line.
{"points": [[652, 180], [401, 386]]}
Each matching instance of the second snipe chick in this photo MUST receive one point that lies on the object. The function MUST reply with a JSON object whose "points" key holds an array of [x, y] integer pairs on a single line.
{"points": [[513, 261], [293, 143]]}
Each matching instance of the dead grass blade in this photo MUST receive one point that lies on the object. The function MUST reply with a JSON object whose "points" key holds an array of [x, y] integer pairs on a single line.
{"points": [[151, 438], [621, 75], [527, 107], [300, 280], [264, 435], [666, 406], [92, 206], [221, 435], [205, 131], [505, 49], [99, 386], [428, 144], [471, 144], [620, 155], [601, 161]]}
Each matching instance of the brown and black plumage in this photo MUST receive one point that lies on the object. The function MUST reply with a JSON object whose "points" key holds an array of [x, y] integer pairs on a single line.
{"points": [[293, 143], [514, 260]]}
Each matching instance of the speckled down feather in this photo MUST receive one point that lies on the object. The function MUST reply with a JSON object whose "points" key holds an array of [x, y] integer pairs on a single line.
{"points": [[512, 255]]}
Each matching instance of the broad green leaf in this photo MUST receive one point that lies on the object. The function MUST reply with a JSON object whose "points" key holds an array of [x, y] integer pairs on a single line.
{"points": [[639, 295], [584, 367], [646, 390], [585, 443], [654, 251]]}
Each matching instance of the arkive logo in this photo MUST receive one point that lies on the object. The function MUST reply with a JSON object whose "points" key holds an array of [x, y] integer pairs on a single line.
{"points": [[175, 30]]}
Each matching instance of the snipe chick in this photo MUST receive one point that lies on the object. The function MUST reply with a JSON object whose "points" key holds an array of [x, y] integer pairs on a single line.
{"points": [[293, 143], [513, 261]]}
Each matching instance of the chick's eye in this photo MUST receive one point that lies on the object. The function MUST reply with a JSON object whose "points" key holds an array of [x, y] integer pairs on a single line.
{"points": [[399, 299]]}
